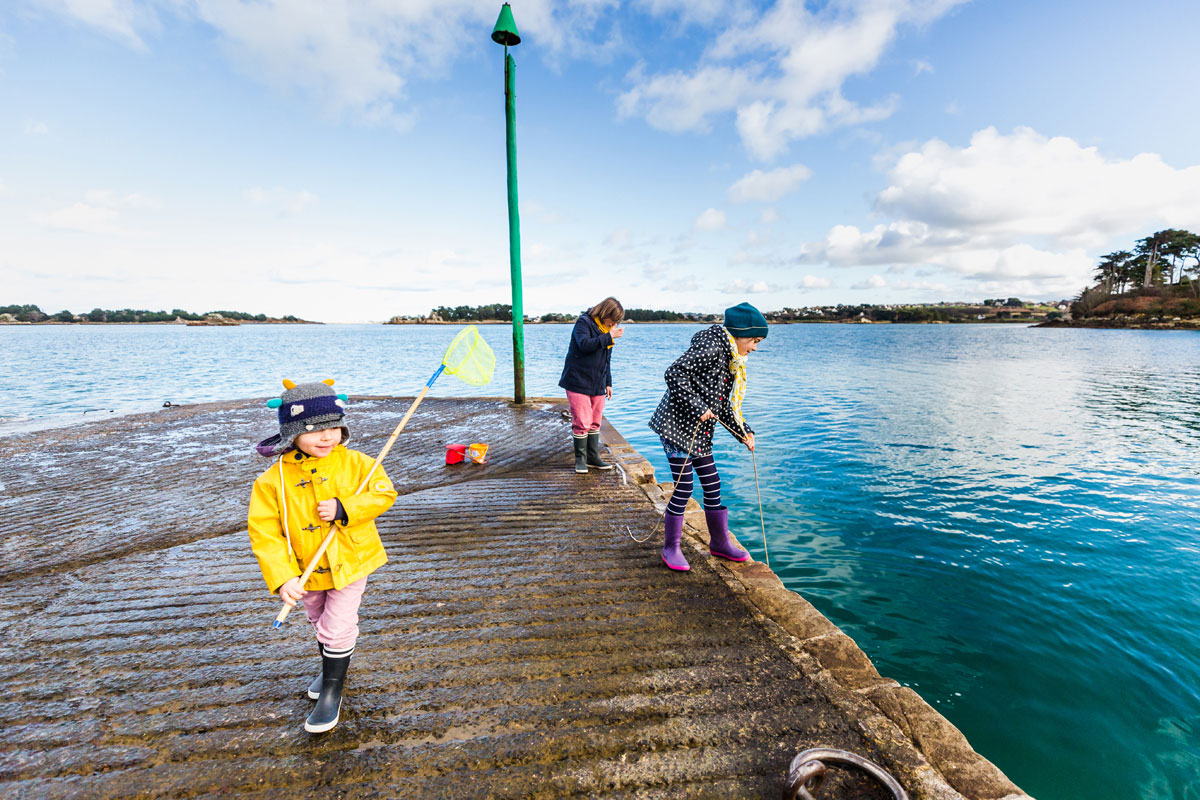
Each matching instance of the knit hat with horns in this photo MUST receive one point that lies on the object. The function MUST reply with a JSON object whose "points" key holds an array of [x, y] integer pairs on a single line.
{"points": [[304, 408]]}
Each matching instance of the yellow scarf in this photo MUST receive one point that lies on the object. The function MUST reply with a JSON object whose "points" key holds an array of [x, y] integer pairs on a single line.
{"points": [[603, 328], [737, 365]]}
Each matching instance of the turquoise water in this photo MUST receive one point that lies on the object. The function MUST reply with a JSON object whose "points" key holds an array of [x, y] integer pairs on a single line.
{"points": [[1004, 518]]}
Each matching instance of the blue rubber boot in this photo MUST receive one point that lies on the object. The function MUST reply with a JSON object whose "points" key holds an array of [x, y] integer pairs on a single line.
{"points": [[719, 543], [671, 554]]}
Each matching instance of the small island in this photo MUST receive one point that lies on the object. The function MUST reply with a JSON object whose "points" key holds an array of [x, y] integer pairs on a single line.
{"points": [[32, 315], [1155, 286]]}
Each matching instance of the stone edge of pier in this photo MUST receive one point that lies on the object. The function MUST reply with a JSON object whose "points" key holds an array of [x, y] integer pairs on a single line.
{"points": [[923, 748]]}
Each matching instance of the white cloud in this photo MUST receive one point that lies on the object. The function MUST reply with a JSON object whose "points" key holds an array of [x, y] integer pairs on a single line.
{"points": [[282, 201], [619, 238], [1020, 209], [814, 282], [354, 56], [769, 187], [1026, 184], [116, 18], [758, 259], [109, 199], [873, 282], [83, 218], [921, 65], [924, 286], [680, 102], [742, 286], [691, 11], [710, 220], [780, 71], [36, 128], [769, 216], [98, 213]]}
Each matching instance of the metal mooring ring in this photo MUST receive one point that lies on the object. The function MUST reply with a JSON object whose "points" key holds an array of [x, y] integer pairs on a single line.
{"points": [[807, 773]]}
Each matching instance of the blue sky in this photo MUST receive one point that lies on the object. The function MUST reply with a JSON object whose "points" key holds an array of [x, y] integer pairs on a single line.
{"points": [[344, 161]]}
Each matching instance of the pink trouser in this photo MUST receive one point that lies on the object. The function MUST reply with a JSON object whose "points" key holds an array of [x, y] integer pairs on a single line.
{"points": [[586, 412], [334, 614]]}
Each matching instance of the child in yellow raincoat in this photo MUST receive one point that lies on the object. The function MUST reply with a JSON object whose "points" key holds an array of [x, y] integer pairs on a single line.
{"points": [[311, 488]]}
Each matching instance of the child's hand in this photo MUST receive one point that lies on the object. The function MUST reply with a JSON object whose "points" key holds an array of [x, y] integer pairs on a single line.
{"points": [[292, 591], [707, 415], [749, 441], [616, 333], [608, 392], [327, 510]]}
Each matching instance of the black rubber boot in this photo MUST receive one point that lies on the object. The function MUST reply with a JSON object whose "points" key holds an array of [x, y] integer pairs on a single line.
{"points": [[593, 452], [314, 688], [333, 678], [581, 466]]}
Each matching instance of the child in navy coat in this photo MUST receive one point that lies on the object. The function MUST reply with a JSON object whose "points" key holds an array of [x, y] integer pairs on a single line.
{"points": [[587, 377]]}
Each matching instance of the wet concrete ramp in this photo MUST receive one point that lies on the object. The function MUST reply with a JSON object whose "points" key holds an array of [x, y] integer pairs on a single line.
{"points": [[518, 644]]}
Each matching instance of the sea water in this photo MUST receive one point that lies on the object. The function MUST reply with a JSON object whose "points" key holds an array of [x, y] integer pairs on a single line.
{"points": [[1004, 518]]}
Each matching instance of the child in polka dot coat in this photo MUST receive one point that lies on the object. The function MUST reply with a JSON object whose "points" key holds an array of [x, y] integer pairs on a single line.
{"points": [[706, 383]]}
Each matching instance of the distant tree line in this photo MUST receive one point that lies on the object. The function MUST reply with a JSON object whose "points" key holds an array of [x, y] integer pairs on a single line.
{"points": [[494, 311], [31, 313], [503, 313], [1012, 308], [991, 309], [1163, 270], [651, 315]]}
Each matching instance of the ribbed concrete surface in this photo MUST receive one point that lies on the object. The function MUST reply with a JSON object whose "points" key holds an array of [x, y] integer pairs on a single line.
{"points": [[518, 644]]}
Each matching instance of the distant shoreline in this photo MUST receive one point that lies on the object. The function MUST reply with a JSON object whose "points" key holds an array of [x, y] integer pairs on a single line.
{"points": [[1123, 324], [172, 324], [228, 323], [1191, 324], [993, 321]]}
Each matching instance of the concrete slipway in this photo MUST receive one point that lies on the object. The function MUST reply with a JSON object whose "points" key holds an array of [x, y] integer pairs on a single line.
{"points": [[518, 644]]}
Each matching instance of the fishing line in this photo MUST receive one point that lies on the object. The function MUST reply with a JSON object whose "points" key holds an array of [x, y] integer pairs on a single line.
{"points": [[754, 459]]}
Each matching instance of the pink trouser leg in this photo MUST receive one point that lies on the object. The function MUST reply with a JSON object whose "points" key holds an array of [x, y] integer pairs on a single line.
{"points": [[334, 614], [597, 412], [583, 415]]}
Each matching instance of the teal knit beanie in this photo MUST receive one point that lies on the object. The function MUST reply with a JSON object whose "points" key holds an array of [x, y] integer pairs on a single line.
{"points": [[745, 321]]}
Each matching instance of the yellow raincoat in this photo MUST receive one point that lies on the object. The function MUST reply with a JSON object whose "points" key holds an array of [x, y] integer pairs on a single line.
{"points": [[355, 552]]}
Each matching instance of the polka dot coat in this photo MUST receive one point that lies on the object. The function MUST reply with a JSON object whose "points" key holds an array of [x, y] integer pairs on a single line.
{"points": [[698, 381]]}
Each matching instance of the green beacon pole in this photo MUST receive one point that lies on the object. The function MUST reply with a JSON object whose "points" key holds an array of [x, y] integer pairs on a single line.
{"points": [[505, 33]]}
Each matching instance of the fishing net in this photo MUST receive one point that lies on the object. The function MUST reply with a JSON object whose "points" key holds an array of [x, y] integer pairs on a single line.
{"points": [[469, 358]]}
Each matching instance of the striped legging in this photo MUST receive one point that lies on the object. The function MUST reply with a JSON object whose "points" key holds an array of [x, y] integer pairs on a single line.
{"points": [[706, 469]]}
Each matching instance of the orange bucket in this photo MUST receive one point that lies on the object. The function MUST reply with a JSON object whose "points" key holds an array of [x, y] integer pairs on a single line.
{"points": [[477, 453]]}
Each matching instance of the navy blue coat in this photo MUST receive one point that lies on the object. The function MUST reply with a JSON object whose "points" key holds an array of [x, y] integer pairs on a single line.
{"points": [[587, 369]]}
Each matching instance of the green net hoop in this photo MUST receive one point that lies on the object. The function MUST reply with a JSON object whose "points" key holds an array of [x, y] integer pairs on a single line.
{"points": [[469, 358]]}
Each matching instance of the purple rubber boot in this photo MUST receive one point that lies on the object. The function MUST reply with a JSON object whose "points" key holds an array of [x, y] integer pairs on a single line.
{"points": [[671, 554], [719, 543]]}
